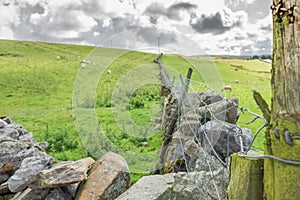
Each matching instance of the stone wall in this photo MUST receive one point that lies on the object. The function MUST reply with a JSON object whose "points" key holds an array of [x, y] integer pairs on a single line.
{"points": [[200, 135], [27, 172]]}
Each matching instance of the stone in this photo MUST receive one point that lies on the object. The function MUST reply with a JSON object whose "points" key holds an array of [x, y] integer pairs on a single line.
{"points": [[19, 128], [10, 132], [180, 138], [6, 171], [71, 189], [150, 188], [6, 197], [108, 178], [10, 146], [27, 137], [225, 110], [4, 189], [189, 128], [3, 124], [57, 194], [173, 153], [43, 145], [201, 160], [190, 147], [192, 185], [8, 120], [29, 167], [62, 174], [223, 137], [12, 154], [15, 159], [30, 194], [191, 116], [195, 100], [174, 149], [208, 98]]}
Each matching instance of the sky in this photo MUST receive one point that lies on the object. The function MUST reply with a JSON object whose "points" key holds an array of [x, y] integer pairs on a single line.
{"points": [[237, 27]]}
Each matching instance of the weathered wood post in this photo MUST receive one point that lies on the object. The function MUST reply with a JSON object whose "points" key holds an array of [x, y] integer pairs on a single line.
{"points": [[281, 180], [246, 179]]}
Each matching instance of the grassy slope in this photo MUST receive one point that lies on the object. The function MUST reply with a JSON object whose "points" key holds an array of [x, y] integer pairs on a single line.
{"points": [[252, 74], [36, 90]]}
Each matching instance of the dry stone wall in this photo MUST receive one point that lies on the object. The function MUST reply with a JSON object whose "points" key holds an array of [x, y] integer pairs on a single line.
{"points": [[27, 172]]}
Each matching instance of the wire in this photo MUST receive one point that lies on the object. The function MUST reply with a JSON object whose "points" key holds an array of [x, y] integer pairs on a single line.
{"points": [[273, 157], [255, 135], [296, 137]]}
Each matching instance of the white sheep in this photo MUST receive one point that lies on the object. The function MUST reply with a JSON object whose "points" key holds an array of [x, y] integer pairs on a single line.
{"points": [[227, 87], [84, 63], [144, 144], [109, 71]]}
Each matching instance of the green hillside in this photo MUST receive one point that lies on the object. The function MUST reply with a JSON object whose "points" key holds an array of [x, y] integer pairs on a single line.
{"points": [[37, 82]]}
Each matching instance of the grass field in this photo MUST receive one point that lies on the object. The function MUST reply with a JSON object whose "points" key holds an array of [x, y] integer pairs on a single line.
{"points": [[38, 83]]}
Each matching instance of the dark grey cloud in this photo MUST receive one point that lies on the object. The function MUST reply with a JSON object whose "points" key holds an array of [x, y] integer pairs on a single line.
{"points": [[155, 10], [182, 6], [213, 24]]}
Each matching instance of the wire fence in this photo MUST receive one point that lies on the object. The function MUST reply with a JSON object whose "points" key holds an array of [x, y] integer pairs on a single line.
{"points": [[210, 124]]}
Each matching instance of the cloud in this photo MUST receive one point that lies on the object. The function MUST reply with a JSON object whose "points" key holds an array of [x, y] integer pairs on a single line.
{"points": [[265, 24], [150, 36], [256, 9], [6, 33], [227, 24], [218, 23], [182, 6], [155, 10]]}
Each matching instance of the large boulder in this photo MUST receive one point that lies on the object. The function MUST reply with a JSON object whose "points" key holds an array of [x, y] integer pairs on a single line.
{"points": [[108, 178], [150, 188], [193, 185], [223, 137], [64, 173]]}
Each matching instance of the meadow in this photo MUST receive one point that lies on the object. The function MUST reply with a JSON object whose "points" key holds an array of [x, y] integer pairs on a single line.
{"points": [[39, 82]]}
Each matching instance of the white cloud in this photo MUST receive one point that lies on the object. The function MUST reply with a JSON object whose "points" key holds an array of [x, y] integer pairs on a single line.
{"points": [[237, 2], [210, 23], [9, 15], [64, 34], [95, 34], [6, 33]]}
